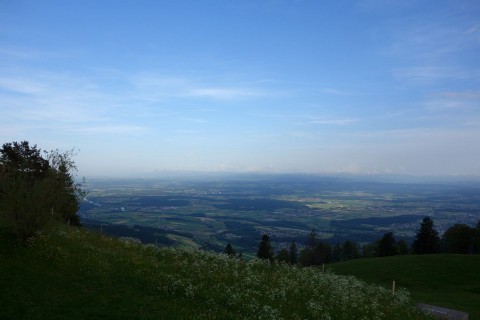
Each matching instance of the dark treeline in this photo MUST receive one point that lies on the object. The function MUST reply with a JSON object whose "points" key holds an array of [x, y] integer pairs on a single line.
{"points": [[459, 239]]}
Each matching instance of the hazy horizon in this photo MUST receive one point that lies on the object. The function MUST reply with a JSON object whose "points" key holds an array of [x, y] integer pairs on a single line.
{"points": [[284, 176], [140, 87]]}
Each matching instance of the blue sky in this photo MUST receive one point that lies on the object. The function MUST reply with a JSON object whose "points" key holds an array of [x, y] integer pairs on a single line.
{"points": [[141, 87]]}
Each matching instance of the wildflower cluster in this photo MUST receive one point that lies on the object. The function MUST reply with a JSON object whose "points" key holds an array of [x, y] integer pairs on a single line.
{"points": [[221, 287], [259, 290]]}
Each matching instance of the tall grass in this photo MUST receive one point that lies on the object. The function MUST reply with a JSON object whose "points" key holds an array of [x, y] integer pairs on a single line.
{"points": [[76, 274]]}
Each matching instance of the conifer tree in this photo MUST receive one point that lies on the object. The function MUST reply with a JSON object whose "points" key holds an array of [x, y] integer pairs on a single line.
{"points": [[350, 250], [309, 256], [282, 256], [229, 250], [386, 245], [322, 253], [292, 252], [265, 250], [427, 240], [337, 252], [312, 239]]}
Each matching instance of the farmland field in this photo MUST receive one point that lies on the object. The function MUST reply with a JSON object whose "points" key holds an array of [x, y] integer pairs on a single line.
{"points": [[211, 211]]}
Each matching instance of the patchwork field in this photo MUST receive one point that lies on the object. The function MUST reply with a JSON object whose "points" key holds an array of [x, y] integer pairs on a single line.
{"points": [[213, 211]]}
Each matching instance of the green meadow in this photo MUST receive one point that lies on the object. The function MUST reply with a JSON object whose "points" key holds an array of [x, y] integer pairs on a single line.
{"points": [[78, 274], [445, 280]]}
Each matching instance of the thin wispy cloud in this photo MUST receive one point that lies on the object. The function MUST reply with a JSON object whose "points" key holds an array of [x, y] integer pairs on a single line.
{"points": [[335, 92], [22, 85], [223, 93], [155, 87], [26, 54], [463, 95], [340, 122], [193, 120], [456, 104], [429, 75], [398, 81], [109, 129]]}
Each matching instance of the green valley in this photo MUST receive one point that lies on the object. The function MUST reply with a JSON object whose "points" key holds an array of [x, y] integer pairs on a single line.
{"points": [[211, 211]]}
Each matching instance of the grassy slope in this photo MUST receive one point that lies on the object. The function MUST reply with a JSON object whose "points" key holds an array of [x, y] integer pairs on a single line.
{"points": [[67, 280], [451, 281], [75, 274]]}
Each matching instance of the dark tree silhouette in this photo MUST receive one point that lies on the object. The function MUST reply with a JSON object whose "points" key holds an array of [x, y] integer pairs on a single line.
{"points": [[459, 238], [349, 250], [316, 256], [229, 250], [370, 250], [282, 256], [322, 253], [21, 158], [309, 255], [476, 241], [265, 250], [68, 193], [312, 239], [34, 190], [402, 247], [427, 240], [292, 253], [386, 245]]}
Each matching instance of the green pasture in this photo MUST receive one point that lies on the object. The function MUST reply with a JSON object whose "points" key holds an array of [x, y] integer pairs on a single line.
{"points": [[450, 281]]}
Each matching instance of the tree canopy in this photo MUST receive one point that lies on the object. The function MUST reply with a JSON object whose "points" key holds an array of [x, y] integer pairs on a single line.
{"points": [[460, 238], [37, 189]]}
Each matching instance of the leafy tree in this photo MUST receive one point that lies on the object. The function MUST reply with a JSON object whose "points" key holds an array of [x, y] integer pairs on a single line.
{"points": [[229, 250], [34, 190], [427, 240], [23, 206], [459, 238], [21, 158], [68, 193], [265, 250], [386, 245]]}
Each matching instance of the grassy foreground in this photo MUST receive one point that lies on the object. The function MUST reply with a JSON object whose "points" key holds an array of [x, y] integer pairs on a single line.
{"points": [[76, 274], [445, 280]]}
